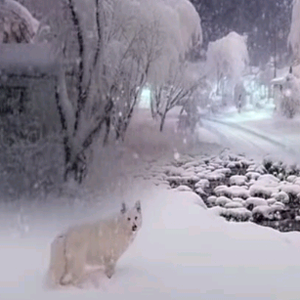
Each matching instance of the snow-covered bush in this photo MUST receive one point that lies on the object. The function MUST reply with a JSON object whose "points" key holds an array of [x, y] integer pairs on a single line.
{"points": [[236, 214], [252, 202], [238, 180], [222, 201]]}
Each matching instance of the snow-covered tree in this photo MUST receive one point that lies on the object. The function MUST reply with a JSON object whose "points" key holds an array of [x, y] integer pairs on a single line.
{"points": [[112, 48], [171, 79], [177, 90], [227, 59], [17, 25], [290, 103], [294, 35], [287, 98]]}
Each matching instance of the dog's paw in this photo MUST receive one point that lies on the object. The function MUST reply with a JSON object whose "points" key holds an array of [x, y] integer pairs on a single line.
{"points": [[66, 279]]}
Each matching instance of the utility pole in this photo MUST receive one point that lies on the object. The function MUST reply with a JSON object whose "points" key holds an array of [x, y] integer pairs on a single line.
{"points": [[275, 50]]}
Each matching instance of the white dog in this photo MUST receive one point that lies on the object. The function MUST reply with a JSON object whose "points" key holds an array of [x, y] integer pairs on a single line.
{"points": [[97, 245]]}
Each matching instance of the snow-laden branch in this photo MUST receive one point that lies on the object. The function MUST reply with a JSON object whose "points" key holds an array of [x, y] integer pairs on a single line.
{"points": [[112, 49]]}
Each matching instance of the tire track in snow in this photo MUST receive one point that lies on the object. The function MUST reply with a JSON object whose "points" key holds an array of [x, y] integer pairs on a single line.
{"points": [[245, 139]]}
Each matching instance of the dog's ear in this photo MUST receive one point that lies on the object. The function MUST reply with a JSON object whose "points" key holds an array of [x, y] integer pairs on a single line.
{"points": [[138, 206], [123, 208]]}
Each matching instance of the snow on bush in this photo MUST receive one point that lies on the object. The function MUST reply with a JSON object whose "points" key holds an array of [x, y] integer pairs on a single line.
{"points": [[278, 204], [252, 175], [203, 174], [232, 191], [291, 178], [173, 171], [238, 180], [297, 181], [225, 171], [247, 162], [222, 201], [259, 190], [266, 212], [261, 169], [221, 190], [200, 191], [282, 197], [233, 204], [234, 165], [250, 186], [237, 192], [216, 176], [236, 214], [174, 181], [252, 202], [202, 183], [212, 200], [268, 180], [271, 201], [290, 189], [189, 179], [237, 199]]}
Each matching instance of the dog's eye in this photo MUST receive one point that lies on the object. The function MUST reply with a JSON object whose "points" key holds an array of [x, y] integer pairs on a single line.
{"points": [[128, 219], [135, 218]]}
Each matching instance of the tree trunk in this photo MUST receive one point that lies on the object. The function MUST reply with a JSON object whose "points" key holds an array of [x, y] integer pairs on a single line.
{"points": [[78, 168], [152, 107], [162, 122]]}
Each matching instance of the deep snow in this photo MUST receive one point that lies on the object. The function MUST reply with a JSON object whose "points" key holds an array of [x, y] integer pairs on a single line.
{"points": [[182, 252]]}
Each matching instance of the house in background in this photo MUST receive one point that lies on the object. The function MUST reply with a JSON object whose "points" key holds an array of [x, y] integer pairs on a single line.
{"points": [[31, 148]]}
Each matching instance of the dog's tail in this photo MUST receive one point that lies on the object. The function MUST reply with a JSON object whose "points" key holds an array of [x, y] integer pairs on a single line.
{"points": [[58, 263]]}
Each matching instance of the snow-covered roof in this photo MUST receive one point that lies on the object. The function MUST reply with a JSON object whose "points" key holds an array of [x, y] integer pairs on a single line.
{"points": [[27, 58], [278, 80], [12, 9]]}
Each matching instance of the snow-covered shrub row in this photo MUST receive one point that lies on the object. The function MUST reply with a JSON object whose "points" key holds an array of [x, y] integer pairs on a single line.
{"points": [[266, 193]]}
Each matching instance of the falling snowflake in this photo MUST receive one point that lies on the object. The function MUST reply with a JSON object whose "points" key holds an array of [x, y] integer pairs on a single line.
{"points": [[288, 92], [176, 155]]}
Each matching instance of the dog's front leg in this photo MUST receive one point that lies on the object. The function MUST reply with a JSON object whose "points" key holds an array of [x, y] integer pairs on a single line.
{"points": [[110, 269]]}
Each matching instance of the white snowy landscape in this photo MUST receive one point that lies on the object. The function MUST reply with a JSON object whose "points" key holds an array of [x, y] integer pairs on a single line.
{"points": [[190, 106], [184, 250]]}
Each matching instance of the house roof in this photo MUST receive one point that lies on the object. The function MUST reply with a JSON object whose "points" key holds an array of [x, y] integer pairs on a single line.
{"points": [[27, 59]]}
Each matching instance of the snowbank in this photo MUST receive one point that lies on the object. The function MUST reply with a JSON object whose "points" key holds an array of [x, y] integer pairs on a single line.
{"points": [[182, 252]]}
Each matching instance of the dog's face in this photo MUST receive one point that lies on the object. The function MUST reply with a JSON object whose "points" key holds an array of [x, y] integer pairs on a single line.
{"points": [[133, 216]]}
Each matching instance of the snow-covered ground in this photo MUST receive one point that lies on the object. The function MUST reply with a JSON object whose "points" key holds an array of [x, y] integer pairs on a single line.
{"points": [[258, 132], [182, 252], [266, 122]]}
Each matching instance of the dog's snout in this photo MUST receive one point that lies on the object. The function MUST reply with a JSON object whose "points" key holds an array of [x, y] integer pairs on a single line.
{"points": [[134, 227]]}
